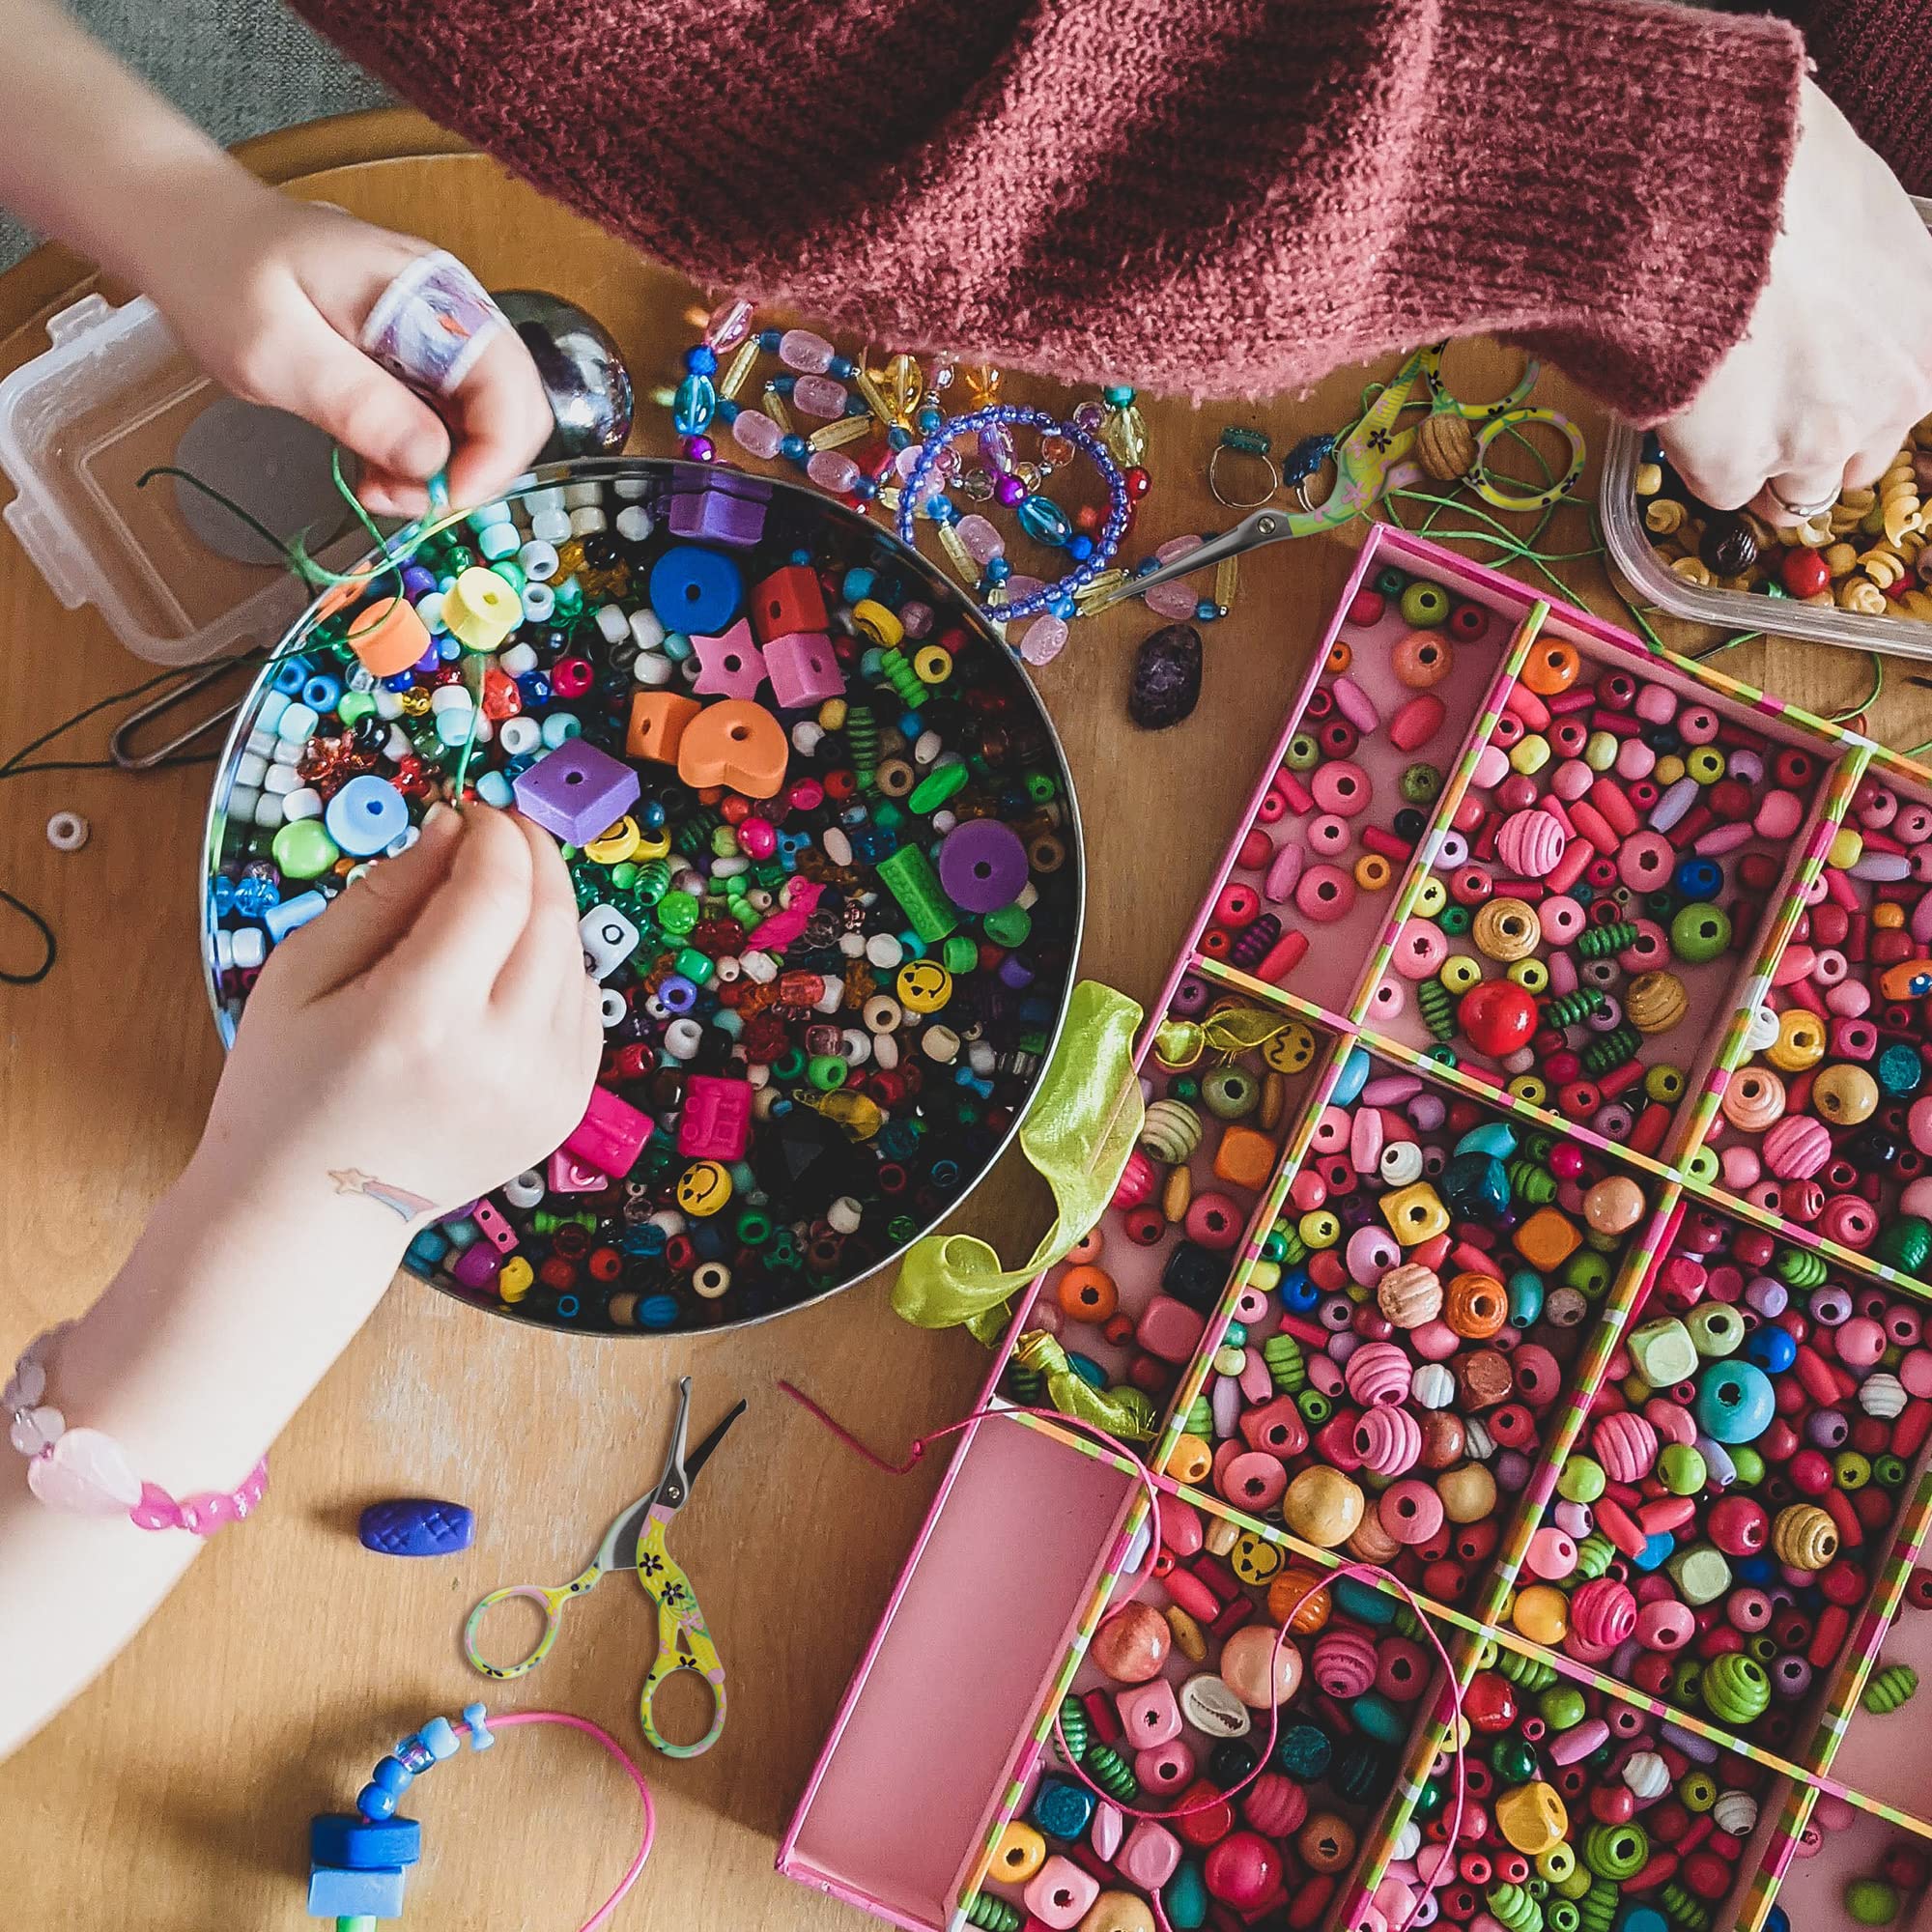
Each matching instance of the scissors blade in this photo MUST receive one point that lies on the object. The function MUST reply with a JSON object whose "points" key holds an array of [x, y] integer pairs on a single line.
{"points": [[1263, 526], [675, 1484], [702, 1454]]}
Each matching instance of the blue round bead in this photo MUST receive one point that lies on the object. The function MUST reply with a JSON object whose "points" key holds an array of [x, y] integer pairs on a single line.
{"points": [[701, 359], [1772, 1350], [1080, 548], [375, 1802], [1735, 1402], [1207, 610], [795, 449]]}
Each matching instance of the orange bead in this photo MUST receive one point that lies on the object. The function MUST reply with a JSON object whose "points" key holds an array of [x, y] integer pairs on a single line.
{"points": [[735, 743], [1087, 1293], [1554, 667], [1341, 655], [1421, 659], [389, 638], [1547, 1238], [1088, 1247], [1475, 1306], [1298, 1598], [1245, 1157], [658, 721]]}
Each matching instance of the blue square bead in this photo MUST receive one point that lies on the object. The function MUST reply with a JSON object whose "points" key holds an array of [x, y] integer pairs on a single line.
{"points": [[374, 1891]]}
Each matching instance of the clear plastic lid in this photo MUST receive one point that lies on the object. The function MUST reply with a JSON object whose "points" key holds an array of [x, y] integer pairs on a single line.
{"points": [[178, 578]]}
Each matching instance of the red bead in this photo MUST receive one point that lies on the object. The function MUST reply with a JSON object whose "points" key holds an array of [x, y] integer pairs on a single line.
{"points": [[1497, 1017], [1489, 1702], [1738, 1527], [1804, 572], [1138, 483], [1614, 1805]]}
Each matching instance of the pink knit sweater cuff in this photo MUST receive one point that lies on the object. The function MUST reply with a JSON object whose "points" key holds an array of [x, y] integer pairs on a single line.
{"points": [[1616, 172]]}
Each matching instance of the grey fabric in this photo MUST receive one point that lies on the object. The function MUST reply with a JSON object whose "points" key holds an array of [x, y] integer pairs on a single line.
{"points": [[237, 66]]}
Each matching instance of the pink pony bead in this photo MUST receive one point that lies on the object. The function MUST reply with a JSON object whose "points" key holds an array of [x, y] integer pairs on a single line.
{"points": [[1530, 844]]}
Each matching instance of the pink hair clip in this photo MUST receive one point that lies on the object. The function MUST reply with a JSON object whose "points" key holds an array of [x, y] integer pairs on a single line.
{"points": [[87, 1472]]}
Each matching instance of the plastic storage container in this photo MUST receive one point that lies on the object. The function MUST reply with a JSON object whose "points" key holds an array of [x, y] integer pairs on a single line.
{"points": [[113, 396], [1731, 609]]}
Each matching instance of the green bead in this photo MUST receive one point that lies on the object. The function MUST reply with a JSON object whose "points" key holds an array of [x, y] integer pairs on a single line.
{"points": [[1580, 1480], [1231, 1092], [1185, 1896], [354, 706], [1748, 1463], [1663, 1352], [304, 848], [1425, 606], [677, 913], [696, 966], [1562, 1707], [991, 1913], [1616, 1851], [1871, 1901], [1735, 1689], [1009, 926], [1420, 784], [1701, 933], [1304, 752], [1717, 1329], [1681, 1466], [909, 876], [1905, 1244], [1889, 1689], [1513, 1761], [1701, 1573], [826, 1072]]}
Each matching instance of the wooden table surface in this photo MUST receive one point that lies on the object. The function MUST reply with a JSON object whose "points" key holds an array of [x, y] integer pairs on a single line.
{"points": [[174, 1794]]}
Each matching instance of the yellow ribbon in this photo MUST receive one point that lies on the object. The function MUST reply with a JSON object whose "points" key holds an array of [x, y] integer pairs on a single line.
{"points": [[1078, 1133]]}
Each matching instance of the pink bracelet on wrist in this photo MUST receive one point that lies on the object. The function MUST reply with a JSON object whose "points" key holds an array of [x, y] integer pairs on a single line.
{"points": [[87, 1472]]}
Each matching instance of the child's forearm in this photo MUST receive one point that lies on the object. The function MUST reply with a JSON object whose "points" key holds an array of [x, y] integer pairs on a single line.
{"points": [[90, 153], [225, 1316]]}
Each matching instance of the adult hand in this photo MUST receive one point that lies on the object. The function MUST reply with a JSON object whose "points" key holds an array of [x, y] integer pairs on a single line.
{"points": [[1837, 365]]}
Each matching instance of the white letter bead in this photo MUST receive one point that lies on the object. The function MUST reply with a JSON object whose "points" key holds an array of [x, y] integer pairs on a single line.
{"points": [[609, 940]]}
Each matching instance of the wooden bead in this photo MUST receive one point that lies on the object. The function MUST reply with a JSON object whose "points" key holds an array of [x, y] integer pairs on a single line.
{"points": [[1322, 1507], [1445, 445], [1132, 1644]]}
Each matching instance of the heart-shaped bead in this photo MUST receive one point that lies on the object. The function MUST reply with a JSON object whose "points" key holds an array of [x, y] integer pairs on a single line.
{"points": [[87, 1472]]}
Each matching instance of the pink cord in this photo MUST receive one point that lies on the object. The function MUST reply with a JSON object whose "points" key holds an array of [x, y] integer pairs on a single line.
{"points": [[1144, 1475], [502, 1723]]}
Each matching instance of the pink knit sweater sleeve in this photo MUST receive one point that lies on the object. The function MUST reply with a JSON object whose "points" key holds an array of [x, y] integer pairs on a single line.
{"points": [[1195, 195]]}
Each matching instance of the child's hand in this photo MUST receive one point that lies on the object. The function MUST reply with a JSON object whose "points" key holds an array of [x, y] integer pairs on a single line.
{"points": [[429, 1035], [269, 296]]}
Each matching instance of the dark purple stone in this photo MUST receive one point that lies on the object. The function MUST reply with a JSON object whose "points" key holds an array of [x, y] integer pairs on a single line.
{"points": [[1167, 677]]}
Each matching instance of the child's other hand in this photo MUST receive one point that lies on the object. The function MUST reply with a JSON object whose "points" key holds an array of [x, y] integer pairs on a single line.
{"points": [[269, 296], [1837, 365], [429, 1035]]}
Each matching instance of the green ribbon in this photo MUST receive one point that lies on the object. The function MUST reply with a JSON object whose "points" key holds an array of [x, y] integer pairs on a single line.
{"points": [[1078, 1133], [1125, 1412]]}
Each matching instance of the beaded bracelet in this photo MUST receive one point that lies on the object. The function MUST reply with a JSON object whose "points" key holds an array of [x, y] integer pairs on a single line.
{"points": [[88, 1473], [1040, 516], [358, 1863]]}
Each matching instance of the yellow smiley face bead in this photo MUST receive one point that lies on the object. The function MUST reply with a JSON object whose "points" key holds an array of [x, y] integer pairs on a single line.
{"points": [[924, 985], [703, 1187]]}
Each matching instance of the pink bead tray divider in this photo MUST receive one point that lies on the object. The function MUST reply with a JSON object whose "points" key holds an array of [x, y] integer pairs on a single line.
{"points": [[948, 1723]]}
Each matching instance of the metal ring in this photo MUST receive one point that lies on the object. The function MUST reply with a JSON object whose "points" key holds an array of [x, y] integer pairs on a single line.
{"points": [[1267, 462], [1800, 512]]}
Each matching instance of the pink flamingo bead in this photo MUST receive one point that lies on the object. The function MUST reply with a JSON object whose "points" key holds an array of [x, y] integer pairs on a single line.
{"points": [[1388, 1441], [1379, 1375], [1626, 1446], [1797, 1148], [1342, 1664], [1411, 1511]]}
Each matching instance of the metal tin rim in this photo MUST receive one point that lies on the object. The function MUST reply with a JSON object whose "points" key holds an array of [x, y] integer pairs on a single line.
{"points": [[586, 469]]}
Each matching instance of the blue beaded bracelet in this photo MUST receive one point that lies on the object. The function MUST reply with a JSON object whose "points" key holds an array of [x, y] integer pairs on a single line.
{"points": [[1055, 529]]}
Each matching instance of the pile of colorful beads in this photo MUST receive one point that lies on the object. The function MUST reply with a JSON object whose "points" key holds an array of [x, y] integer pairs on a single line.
{"points": [[1865, 554], [1725, 1514], [1587, 911], [1223, 1085], [1396, 1355], [1344, 814], [1827, 1122], [819, 834], [1579, 1812], [1171, 1711]]}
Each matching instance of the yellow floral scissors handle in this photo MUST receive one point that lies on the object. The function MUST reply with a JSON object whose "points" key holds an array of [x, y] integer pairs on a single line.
{"points": [[1375, 458], [684, 1643], [635, 1541]]}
